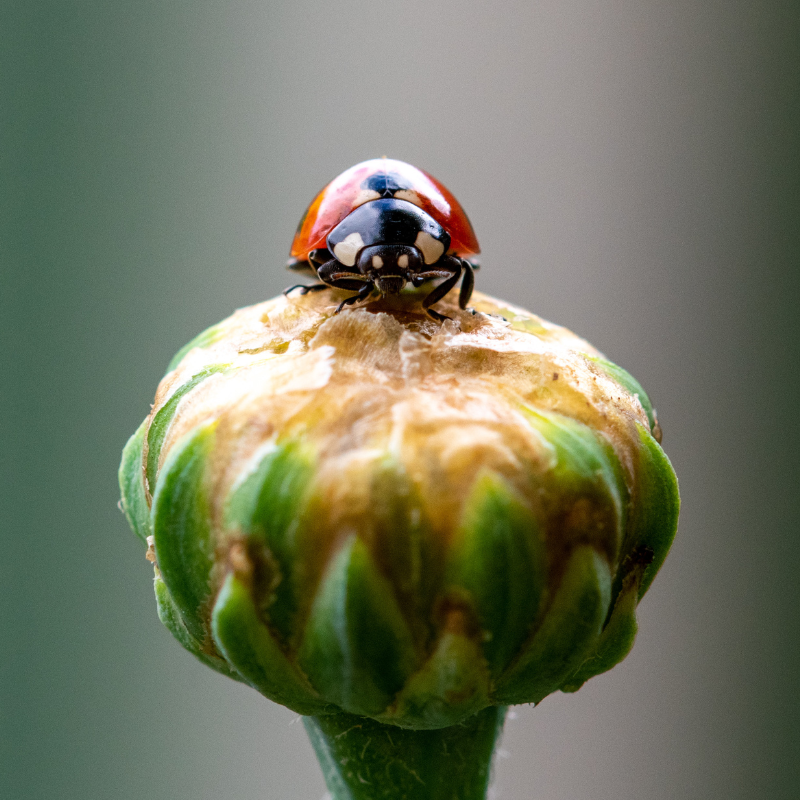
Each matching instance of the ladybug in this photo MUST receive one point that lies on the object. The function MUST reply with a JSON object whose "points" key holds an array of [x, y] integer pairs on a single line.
{"points": [[382, 224]]}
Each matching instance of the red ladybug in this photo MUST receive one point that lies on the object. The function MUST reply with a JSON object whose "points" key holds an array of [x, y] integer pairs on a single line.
{"points": [[382, 224]]}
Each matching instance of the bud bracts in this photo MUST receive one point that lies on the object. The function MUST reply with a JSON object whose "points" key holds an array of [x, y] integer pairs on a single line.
{"points": [[375, 513]]}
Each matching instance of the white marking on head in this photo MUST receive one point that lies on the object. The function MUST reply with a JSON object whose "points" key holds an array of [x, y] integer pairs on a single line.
{"points": [[431, 248], [364, 196], [409, 195], [402, 262], [347, 250], [377, 262]]}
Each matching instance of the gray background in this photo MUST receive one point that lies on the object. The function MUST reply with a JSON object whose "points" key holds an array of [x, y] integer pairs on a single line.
{"points": [[631, 169]]}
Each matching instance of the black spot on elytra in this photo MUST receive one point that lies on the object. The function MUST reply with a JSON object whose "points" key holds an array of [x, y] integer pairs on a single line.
{"points": [[386, 183]]}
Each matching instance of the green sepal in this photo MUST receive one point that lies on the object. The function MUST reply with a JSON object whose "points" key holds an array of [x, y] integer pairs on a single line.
{"points": [[161, 422], [182, 528], [568, 631], [357, 649], [411, 554], [582, 456], [171, 618], [204, 339], [248, 646], [628, 383], [131, 485], [655, 509], [499, 536], [270, 504], [362, 759], [451, 686], [615, 641], [586, 478]]}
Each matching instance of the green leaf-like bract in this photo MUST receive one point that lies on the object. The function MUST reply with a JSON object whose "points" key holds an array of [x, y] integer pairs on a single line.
{"points": [[584, 493], [451, 686], [357, 650], [161, 422], [616, 640], [182, 529], [131, 484], [171, 619], [568, 631], [204, 339], [269, 505], [247, 644], [627, 382], [655, 508], [499, 536]]}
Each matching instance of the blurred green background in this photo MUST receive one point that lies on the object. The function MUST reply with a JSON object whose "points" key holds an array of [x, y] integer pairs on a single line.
{"points": [[631, 169]]}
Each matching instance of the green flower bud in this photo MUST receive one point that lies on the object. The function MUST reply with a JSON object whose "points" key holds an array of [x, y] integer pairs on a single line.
{"points": [[373, 515]]}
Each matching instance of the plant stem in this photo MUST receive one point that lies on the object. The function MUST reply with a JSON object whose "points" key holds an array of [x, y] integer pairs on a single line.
{"points": [[366, 760]]}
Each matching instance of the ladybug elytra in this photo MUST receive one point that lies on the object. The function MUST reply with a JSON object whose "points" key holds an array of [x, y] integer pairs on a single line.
{"points": [[380, 225]]}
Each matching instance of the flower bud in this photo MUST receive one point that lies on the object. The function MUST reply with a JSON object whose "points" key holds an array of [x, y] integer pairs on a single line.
{"points": [[374, 513]]}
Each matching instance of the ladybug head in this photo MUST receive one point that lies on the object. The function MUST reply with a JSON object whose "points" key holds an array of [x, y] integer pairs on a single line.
{"points": [[390, 266]]}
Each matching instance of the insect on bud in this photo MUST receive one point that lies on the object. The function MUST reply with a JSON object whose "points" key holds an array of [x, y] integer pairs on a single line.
{"points": [[399, 520]]}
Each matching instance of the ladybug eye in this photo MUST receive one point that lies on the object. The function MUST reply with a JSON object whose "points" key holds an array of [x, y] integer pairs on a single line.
{"points": [[364, 196], [409, 195]]}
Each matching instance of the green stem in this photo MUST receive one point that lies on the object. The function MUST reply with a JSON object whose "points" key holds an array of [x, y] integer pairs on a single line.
{"points": [[366, 760]]}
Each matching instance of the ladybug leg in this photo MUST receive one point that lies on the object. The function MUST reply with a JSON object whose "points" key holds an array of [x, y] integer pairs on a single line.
{"points": [[318, 257], [315, 257], [335, 274], [315, 287], [467, 285], [450, 264], [436, 315], [363, 293], [314, 264]]}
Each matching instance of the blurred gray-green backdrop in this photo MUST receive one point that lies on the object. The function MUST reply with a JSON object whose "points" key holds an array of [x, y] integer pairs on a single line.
{"points": [[631, 168]]}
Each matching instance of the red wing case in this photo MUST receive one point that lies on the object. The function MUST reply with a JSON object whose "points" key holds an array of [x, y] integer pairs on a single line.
{"points": [[371, 180]]}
